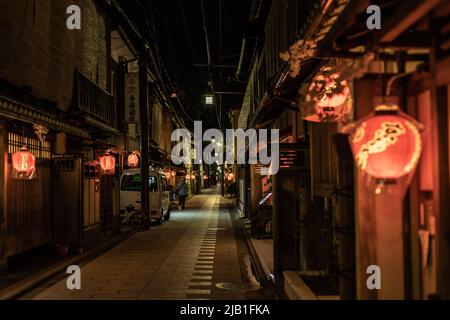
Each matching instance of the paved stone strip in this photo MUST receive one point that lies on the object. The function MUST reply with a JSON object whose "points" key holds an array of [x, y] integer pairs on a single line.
{"points": [[204, 264], [182, 259], [158, 264], [226, 259]]}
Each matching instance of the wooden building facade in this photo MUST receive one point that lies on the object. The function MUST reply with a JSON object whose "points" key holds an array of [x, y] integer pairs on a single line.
{"points": [[63, 96], [338, 227]]}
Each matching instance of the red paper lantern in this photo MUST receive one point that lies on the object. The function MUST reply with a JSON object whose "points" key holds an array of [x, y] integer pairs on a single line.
{"points": [[133, 160], [205, 177], [23, 161], [329, 96], [108, 164], [387, 144]]}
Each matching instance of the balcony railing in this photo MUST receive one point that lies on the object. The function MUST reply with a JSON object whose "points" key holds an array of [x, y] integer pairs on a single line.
{"points": [[94, 101]]}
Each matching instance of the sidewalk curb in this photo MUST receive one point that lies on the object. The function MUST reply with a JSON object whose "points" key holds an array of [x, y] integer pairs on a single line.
{"points": [[264, 265], [296, 288], [262, 277], [19, 288]]}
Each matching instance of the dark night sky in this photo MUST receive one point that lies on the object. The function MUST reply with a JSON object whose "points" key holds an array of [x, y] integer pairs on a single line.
{"points": [[181, 39]]}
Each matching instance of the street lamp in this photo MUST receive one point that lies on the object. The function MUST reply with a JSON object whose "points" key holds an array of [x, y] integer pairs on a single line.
{"points": [[209, 100]]}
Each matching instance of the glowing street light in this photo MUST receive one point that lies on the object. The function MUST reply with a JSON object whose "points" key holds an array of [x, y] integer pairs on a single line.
{"points": [[209, 100]]}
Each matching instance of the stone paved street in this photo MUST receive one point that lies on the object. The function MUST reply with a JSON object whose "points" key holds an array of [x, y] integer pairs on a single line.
{"points": [[182, 259]]}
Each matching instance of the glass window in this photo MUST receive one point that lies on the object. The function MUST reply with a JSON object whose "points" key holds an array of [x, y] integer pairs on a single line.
{"points": [[153, 184], [164, 185], [133, 183]]}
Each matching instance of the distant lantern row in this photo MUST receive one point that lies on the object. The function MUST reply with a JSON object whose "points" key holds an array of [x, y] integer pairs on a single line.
{"points": [[193, 177], [24, 163]]}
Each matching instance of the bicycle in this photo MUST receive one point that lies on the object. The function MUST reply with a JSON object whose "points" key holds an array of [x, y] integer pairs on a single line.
{"points": [[133, 219]]}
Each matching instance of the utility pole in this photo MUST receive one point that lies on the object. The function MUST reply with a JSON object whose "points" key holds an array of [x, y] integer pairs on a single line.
{"points": [[143, 110], [222, 108], [222, 120]]}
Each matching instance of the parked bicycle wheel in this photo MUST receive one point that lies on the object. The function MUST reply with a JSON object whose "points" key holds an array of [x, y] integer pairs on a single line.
{"points": [[138, 221]]}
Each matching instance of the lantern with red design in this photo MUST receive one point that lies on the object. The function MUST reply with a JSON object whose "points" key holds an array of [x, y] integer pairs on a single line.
{"points": [[108, 164], [23, 163], [133, 159], [387, 144], [328, 97]]}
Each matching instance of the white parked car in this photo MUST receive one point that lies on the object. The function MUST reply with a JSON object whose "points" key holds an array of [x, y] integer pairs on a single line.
{"points": [[130, 193]]}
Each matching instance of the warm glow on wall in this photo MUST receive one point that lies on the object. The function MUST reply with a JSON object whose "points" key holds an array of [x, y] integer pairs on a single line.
{"points": [[230, 176]]}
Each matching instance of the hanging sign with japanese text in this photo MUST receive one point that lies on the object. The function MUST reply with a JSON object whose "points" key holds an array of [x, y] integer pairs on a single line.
{"points": [[132, 98]]}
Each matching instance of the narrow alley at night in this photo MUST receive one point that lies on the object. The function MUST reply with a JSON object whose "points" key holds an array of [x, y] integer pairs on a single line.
{"points": [[197, 254], [224, 158]]}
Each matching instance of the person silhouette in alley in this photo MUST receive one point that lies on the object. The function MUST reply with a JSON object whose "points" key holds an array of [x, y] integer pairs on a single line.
{"points": [[181, 191]]}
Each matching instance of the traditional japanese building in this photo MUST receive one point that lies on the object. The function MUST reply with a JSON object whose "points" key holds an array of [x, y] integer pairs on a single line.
{"points": [[317, 72], [70, 97]]}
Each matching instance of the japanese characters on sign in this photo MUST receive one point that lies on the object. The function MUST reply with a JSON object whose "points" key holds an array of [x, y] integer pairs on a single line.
{"points": [[132, 98]]}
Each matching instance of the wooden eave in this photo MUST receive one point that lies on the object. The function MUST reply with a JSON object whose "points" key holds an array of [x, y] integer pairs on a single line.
{"points": [[283, 92]]}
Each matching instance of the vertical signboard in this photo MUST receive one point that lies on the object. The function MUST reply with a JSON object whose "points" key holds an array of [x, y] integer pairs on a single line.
{"points": [[132, 98]]}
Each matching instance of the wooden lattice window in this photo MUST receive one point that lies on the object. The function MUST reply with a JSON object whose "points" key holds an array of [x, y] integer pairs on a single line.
{"points": [[40, 149], [91, 170]]}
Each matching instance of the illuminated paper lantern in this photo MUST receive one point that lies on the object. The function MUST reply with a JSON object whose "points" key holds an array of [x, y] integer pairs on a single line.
{"points": [[167, 174], [23, 162], [173, 173], [205, 177], [108, 164], [133, 160], [328, 97], [387, 144]]}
